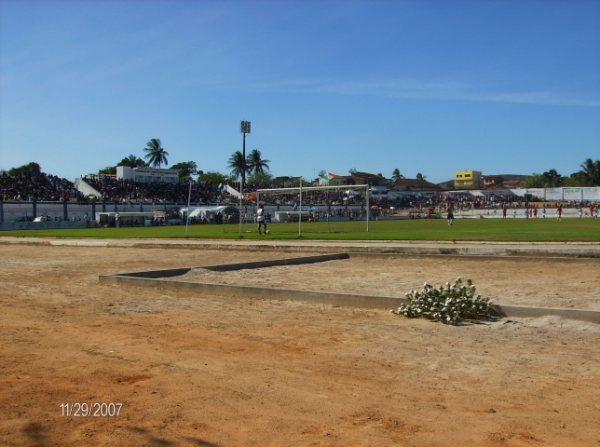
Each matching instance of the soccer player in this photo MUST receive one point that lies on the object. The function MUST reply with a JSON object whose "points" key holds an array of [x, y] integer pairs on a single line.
{"points": [[260, 219]]}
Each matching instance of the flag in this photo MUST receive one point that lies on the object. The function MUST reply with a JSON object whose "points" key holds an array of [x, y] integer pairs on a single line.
{"points": [[326, 176]]}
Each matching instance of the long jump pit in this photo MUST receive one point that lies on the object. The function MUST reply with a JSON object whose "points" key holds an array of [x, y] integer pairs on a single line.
{"points": [[186, 366]]}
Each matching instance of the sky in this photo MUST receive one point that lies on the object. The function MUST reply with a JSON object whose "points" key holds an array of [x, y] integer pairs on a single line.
{"points": [[430, 87]]}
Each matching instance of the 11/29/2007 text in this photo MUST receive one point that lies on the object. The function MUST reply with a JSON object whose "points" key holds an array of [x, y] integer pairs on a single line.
{"points": [[92, 409]]}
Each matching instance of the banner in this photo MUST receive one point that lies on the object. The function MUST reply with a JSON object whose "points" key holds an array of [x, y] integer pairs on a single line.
{"points": [[536, 192], [572, 194], [592, 194], [554, 194]]}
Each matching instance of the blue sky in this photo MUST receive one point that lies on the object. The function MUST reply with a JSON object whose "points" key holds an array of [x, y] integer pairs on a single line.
{"points": [[422, 86]]}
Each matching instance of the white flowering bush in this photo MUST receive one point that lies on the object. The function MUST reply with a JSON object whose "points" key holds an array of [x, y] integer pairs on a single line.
{"points": [[450, 304]]}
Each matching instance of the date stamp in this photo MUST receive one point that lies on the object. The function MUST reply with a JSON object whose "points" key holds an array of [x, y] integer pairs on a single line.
{"points": [[91, 409]]}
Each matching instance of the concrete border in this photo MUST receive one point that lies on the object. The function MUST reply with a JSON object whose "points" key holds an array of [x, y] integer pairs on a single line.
{"points": [[236, 291], [154, 278]]}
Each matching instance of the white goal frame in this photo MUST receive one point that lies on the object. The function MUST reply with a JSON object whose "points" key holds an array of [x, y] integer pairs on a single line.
{"points": [[300, 189]]}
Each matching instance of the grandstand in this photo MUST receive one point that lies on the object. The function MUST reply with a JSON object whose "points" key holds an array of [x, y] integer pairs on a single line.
{"points": [[27, 192]]}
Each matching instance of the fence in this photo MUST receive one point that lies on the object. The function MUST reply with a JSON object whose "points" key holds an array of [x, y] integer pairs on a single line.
{"points": [[17, 211]]}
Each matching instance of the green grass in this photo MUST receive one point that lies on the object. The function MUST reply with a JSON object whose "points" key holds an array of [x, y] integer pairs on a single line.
{"points": [[512, 230]]}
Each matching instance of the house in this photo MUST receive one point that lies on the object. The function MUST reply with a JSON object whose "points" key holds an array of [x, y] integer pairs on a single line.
{"points": [[415, 185], [147, 175], [467, 180]]}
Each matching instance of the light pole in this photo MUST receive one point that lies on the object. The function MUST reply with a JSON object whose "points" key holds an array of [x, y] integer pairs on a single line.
{"points": [[244, 128]]}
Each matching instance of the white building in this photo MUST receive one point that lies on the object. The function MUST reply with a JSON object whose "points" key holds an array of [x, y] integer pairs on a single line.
{"points": [[147, 175]]}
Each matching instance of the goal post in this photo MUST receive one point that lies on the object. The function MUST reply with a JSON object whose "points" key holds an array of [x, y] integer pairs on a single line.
{"points": [[321, 204]]}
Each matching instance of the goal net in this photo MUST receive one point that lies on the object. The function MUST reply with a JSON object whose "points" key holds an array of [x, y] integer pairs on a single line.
{"points": [[316, 209]]}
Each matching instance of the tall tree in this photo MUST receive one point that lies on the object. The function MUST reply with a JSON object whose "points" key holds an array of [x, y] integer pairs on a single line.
{"points": [[256, 163], [591, 172], [396, 176], [237, 164], [155, 153], [421, 178]]}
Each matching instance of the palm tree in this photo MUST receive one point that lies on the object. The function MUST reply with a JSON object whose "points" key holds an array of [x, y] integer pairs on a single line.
{"points": [[255, 162], [421, 178], [591, 172], [396, 176], [237, 164], [155, 153]]}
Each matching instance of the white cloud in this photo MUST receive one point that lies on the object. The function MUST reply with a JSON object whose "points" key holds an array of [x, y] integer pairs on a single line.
{"points": [[414, 89]]}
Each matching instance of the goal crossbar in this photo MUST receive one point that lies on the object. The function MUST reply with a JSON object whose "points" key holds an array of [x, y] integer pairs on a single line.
{"points": [[313, 188]]}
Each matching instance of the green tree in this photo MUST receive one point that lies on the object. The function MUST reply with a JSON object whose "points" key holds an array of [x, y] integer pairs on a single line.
{"points": [[213, 178], [186, 170], [256, 163], [576, 179], [534, 181], [590, 171], [109, 170], [548, 179], [421, 178], [238, 165], [260, 179], [553, 178], [28, 169], [396, 176], [132, 161], [155, 153]]}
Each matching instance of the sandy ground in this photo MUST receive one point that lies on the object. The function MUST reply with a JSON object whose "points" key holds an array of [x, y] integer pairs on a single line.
{"points": [[543, 283], [207, 371]]}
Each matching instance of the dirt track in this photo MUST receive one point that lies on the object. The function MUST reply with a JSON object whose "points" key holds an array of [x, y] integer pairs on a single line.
{"points": [[204, 371]]}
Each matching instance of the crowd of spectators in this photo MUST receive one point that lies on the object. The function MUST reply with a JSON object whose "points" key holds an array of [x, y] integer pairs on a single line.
{"points": [[30, 185], [37, 186], [127, 191]]}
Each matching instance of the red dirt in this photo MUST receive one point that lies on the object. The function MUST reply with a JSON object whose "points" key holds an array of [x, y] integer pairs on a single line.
{"points": [[205, 371]]}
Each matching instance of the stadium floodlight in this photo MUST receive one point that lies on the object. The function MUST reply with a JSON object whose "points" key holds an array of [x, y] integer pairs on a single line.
{"points": [[244, 128]]}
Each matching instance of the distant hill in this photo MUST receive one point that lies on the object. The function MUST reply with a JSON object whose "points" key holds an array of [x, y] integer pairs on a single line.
{"points": [[509, 176], [448, 184]]}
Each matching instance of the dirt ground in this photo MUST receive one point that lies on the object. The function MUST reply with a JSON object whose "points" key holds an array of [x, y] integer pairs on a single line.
{"points": [[195, 370]]}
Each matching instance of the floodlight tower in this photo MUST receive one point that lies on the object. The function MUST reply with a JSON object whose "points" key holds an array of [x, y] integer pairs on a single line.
{"points": [[244, 128]]}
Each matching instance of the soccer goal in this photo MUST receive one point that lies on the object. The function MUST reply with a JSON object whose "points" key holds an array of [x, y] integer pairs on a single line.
{"points": [[316, 209]]}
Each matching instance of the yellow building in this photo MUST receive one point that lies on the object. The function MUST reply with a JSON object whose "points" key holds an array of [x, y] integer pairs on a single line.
{"points": [[467, 180]]}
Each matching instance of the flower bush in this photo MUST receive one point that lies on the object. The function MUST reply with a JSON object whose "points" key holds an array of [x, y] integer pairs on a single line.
{"points": [[450, 304]]}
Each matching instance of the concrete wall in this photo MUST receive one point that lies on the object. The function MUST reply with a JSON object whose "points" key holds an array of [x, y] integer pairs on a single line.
{"points": [[51, 225]]}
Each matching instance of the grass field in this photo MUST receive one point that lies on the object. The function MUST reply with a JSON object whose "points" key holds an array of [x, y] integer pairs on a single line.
{"points": [[538, 230]]}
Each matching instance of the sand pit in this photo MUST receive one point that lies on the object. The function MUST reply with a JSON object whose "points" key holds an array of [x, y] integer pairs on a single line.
{"points": [[544, 283], [211, 371]]}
